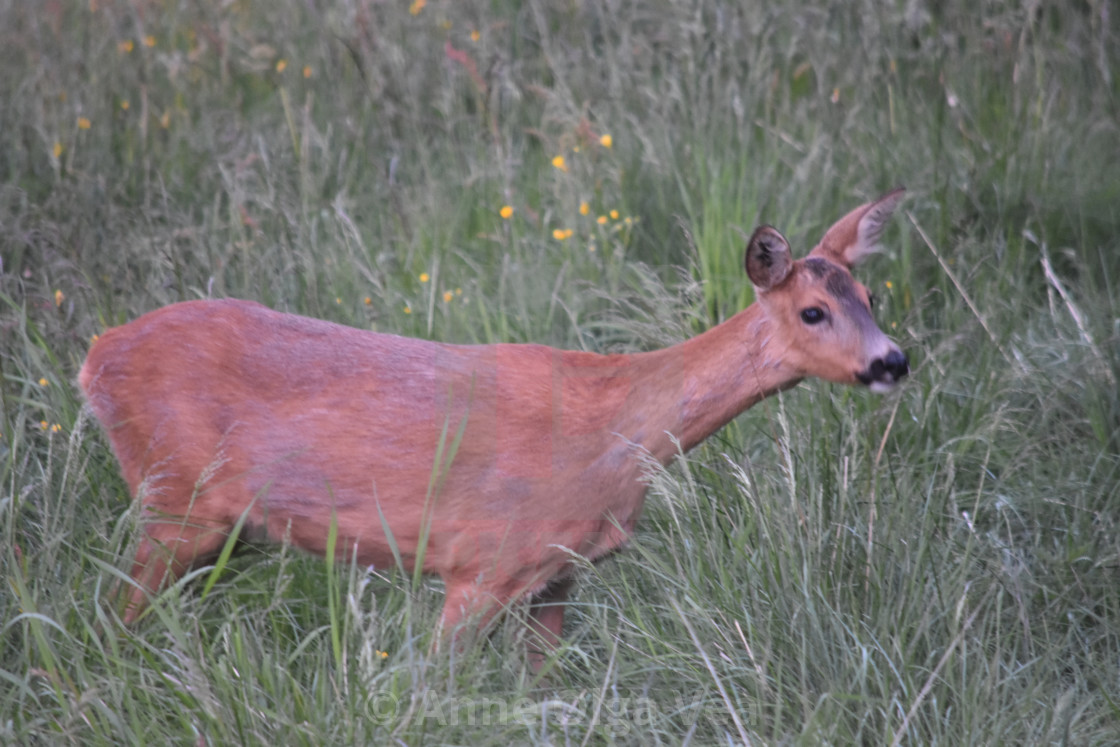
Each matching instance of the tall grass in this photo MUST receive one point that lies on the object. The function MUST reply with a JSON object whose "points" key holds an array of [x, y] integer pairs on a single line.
{"points": [[934, 567]]}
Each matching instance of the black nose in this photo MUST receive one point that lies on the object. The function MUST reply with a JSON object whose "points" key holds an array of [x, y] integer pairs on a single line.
{"points": [[895, 365], [886, 370]]}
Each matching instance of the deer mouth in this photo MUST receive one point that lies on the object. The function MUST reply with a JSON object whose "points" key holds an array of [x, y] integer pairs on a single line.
{"points": [[884, 373]]}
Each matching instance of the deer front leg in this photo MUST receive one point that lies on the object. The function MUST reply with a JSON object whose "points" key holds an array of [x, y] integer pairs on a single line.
{"points": [[467, 613], [546, 619]]}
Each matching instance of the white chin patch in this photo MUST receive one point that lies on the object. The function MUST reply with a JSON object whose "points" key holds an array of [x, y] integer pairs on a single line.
{"points": [[882, 387]]}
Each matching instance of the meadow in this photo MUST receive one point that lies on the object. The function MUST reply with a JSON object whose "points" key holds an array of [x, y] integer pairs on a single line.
{"points": [[936, 566]]}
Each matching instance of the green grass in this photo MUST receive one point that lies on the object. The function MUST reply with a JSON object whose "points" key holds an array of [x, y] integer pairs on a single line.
{"points": [[938, 566]]}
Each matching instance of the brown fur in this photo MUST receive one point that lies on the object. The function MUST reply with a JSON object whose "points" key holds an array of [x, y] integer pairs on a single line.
{"points": [[219, 409]]}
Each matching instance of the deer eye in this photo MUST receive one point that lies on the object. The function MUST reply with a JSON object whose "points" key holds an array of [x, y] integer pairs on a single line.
{"points": [[871, 300], [812, 315]]}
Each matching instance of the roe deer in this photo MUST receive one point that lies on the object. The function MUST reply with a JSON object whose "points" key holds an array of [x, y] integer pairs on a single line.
{"points": [[489, 465]]}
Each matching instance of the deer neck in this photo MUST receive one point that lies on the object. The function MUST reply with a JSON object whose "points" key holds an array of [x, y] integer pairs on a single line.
{"points": [[696, 387]]}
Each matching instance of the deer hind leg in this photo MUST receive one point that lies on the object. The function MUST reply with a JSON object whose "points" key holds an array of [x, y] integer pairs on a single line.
{"points": [[166, 551]]}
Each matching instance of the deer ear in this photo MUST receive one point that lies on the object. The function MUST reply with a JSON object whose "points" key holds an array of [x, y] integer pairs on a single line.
{"points": [[768, 258], [856, 235]]}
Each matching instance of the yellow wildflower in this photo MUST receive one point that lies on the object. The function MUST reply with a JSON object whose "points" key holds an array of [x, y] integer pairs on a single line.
{"points": [[407, 309], [475, 35], [124, 47], [447, 296], [614, 215], [149, 41], [561, 234], [307, 71], [889, 285], [367, 300], [560, 163], [506, 211], [424, 277], [59, 296], [125, 105], [601, 220], [584, 208], [281, 65], [606, 141], [43, 381], [57, 149], [83, 123], [417, 6]]}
